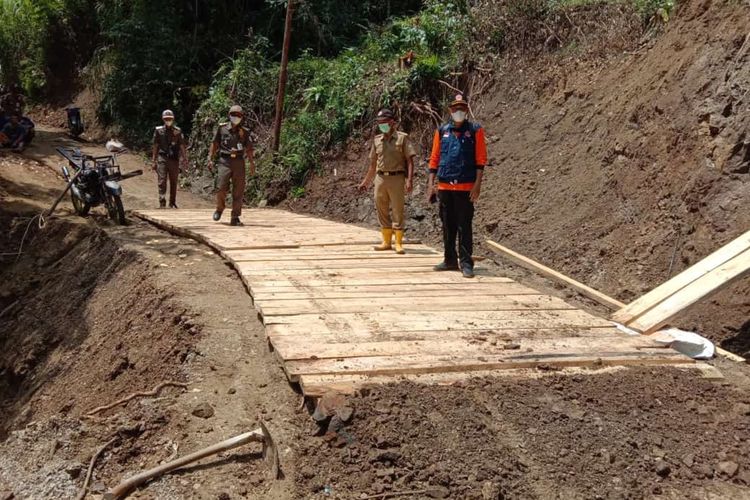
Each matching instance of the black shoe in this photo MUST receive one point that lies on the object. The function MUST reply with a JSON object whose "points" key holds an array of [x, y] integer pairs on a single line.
{"points": [[162, 203], [217, 215], [173, 205], [467, 271], [444, 266], [236, 222]]}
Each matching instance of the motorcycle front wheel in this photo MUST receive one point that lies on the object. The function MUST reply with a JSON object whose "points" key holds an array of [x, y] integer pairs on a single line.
{"points": [[81, 207], [116, 210]]}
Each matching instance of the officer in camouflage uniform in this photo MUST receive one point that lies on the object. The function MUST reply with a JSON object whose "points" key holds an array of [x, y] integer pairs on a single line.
{"points": [[169, 148], [232, 142]]}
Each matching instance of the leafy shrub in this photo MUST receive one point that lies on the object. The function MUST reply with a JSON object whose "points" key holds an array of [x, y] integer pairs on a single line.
{"points": [[330, 99], [43, 43]]}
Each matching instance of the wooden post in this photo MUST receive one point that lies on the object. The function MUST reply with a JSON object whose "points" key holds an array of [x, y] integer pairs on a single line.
{"points": [[283, 75]]}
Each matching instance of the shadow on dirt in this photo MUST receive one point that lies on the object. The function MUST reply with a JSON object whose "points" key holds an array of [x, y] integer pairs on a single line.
{"points": [[740, 342]]}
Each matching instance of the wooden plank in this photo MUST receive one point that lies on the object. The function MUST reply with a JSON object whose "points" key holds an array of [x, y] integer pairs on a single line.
{"points": [[478, 337], [361, 263], [404, 272], [403, 292], [708, 284], [412, 364], [289, 351], [551, 273], [324, 252], [398, 304], [650, 300], [380, 323], [449, 318], [265, 283]]}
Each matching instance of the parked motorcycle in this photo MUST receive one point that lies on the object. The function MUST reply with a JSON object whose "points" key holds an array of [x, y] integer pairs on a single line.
{"points": [[95, 181]]}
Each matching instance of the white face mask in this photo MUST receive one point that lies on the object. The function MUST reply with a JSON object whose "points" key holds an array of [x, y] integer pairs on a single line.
{"points": [[235, 120], [458, 116], [168, 123]]}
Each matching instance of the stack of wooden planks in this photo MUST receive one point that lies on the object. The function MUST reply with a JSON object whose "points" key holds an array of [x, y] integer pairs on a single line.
{"points": [[339, 314], [655, 309]]}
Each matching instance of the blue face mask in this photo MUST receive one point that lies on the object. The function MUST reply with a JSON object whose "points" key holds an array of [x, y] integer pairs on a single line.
{"points": [[384, 127]]}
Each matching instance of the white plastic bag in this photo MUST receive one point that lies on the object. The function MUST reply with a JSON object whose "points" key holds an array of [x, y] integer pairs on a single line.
{"points": [[688, 343]]}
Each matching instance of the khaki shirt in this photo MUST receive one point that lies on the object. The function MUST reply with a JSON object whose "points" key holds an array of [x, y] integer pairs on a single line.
{"points": [[169, 141], [393, 152], [232, 141]]}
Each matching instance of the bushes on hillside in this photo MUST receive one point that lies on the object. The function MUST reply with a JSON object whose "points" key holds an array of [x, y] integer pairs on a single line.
{"points": [[328, 99], [43, 43]]}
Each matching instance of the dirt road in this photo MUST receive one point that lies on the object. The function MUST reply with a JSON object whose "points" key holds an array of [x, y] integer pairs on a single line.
{"points": [[92, 312]]}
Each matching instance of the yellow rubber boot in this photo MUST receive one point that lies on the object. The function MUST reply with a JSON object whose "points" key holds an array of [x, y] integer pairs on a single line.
{"points": [[387, 235], [399, 241]]}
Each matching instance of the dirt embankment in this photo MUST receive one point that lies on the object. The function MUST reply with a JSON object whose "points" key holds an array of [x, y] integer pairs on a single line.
{"points": [[617, 167], [662, 434], [80, 313]]}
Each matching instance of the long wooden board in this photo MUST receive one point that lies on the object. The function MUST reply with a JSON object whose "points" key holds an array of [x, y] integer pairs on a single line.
{"points": [[409, 363], [715, 261], [403, 292], [708, 284], [551, 273], [337, 312], [458, 347], [397, 304]]}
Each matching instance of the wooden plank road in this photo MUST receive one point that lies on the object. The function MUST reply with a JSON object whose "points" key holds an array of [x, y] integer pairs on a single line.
{"points": [[340, 315]]}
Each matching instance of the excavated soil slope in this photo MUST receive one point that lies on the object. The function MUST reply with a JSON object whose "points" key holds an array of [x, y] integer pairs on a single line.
{"points": [[617, 168], [82, 322]]}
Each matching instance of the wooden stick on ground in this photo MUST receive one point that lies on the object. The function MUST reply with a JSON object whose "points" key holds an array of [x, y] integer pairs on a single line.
{"points": [[396, 494], [85, 487], [551, 273], [261, 434], [153, 392]]}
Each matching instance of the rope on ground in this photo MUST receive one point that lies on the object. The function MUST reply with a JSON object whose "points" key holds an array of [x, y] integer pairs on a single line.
{"points": [[89, 473], [151, 393], [42, 222]]}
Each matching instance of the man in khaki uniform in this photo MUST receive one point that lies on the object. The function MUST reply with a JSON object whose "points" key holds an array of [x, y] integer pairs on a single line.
{"points": [[232, 142], [169, 148], [392, 168]]}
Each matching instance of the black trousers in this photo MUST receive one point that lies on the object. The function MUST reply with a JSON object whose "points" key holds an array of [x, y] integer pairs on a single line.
{"points": [[457, 215]]}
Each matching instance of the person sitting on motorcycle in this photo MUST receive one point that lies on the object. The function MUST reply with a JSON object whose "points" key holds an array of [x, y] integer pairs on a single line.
{"points": [[14, 134]]}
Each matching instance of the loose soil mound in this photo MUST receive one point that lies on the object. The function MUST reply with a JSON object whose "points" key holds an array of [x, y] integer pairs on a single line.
{"points": [[616, 168], [628, 434]]}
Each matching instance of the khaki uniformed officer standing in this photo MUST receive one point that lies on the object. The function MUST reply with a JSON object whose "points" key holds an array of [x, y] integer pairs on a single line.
{"points": [[392, 167], [232, 141], [169, 148]]}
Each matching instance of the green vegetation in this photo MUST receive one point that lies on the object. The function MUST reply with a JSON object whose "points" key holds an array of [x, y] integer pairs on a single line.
{"points": [[144, 55], [201, 56], [330, 98], [42, 42]]}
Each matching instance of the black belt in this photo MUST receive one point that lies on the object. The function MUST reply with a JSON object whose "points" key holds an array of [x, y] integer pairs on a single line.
{"points": [[230, 155], [388, 174]]}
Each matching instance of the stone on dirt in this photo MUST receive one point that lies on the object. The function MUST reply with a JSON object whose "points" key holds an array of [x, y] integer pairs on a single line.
{"points": [[727, 468], [203, 410], [662, 468]]}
